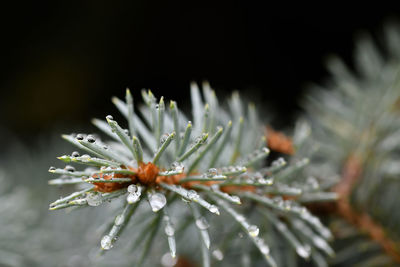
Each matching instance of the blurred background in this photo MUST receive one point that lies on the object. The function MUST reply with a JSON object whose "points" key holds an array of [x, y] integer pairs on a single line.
{"points": [[61, 62]]}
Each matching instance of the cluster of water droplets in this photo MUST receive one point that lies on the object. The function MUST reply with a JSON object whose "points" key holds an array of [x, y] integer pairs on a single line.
{"points": [[170, 232], [134, 193], [192, 195], [233, 169], [258, 178], [234, 199], [283, 204], [288, 189]]}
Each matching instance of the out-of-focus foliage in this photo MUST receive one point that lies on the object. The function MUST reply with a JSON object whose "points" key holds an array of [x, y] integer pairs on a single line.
{"points": [[356, 124]]}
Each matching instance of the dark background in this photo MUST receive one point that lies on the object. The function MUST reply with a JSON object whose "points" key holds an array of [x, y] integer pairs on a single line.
{"points": [[61, 63]]}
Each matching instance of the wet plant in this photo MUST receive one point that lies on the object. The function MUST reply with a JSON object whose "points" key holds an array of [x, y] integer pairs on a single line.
{"points": [[209, 173]]}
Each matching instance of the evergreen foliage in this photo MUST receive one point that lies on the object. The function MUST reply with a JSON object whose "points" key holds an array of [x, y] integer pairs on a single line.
{"points": [[195, 173], [356, 123]]}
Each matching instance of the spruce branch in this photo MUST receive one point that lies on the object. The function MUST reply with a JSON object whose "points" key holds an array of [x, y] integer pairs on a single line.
{"points": [[208, 167]]}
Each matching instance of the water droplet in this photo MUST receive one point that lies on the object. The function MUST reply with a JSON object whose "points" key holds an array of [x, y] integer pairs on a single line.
{"points": [[177, 166], [279, 162], [52, 168], [132, 188], [157, 106], [119, 220], [200, 139], [79, 137], [278, 200], [214, 209], [126, 131], [79, 201], [253, 230], [240, 235], [218, 255], [262, 246], [106, 242], [250, 180], [85, 157], [168, 261], [109, 117], [319, 242], [192, 195], [215, 187], [303, 252], [264, 249], [94, 199], [164, 138], [212, 172], [69, 168], [312, 182], [75, 154], [269, 181], [265, 150], [90, 138], [133, 198], [169, 230], [235, 199], [157, 201], [262, 181], [287, 205], [202, 223]]}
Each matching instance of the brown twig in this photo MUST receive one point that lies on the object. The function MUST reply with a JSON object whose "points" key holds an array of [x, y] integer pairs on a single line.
{"points": [[279, 142], [352, 173]]}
